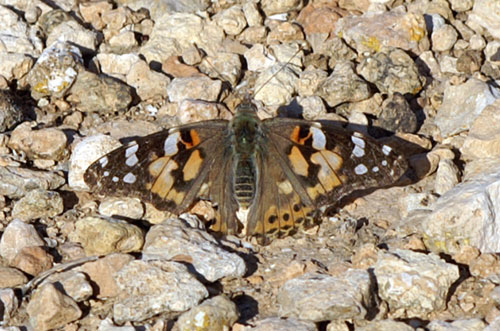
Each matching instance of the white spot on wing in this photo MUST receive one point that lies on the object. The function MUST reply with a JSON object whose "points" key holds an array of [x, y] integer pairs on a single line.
{"points": [[106, 174], [129, 178], [319, 139], [131, 150], [386, 149], [170, 146], [384, 163], [360, 169], [358, 141], [132, 160], [358, 151], [103, 161], [375, 169], [115, 179]]}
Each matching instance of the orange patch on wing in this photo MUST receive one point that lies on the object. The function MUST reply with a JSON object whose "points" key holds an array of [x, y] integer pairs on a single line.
{"points": [[195, 139], [295, 136], [326, 175], [192, 166], [175, 196], [334, 160], [299, 163], [164, 182]]}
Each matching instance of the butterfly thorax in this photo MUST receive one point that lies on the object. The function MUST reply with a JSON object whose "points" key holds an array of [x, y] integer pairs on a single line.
{"points": [[246, 132]]}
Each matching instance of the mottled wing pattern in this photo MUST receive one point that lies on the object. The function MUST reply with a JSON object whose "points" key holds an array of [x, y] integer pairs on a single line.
{"points": [[168, 169], [321, 162]]}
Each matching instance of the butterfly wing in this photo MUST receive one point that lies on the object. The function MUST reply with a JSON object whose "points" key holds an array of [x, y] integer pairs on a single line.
{"points": [[315, 164], [169, 169]]}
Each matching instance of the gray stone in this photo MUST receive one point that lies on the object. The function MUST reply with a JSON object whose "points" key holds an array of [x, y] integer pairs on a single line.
{"points": [[462, 104], [125, 207], [154, 287], [276, 85], [413, 284], [16, 182], [16, 36], [485, 13], [319, 297], [10, 112], [392, 71], [38, 203], [200, 88], [396, 115], [174, 238], [343, 85], [473, 324], [276, 323]]}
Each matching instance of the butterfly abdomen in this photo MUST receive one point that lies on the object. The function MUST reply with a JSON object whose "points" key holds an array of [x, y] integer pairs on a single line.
{"points": [[244, 182]]}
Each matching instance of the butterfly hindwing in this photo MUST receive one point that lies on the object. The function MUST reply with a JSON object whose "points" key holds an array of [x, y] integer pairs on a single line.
{"points": [[167, 169]]}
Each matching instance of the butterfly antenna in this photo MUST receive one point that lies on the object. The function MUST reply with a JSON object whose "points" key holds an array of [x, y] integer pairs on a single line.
{"points": [[277, 72]]}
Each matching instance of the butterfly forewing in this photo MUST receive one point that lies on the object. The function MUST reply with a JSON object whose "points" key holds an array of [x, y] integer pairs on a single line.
{"points": [[167, 169]]}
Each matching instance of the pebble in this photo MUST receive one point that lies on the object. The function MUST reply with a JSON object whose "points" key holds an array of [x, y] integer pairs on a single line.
{"points": [[48, 144], [148, 84], [10, 112], [14, 66], [217, 313], [33, 260], [131, 208], [18, 37], [101, 236], [49, 309], [319, 297], [16, 182], [413, 284], [16, 236], [174, 238], [462, 104], [73, 283], [443, 38], [154, 287], [11, 277], [276, 323], [396, 115], [200, 88]]}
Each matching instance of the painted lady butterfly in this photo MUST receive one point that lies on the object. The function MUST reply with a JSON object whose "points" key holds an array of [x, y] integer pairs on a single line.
{"points": [[267, 177]]}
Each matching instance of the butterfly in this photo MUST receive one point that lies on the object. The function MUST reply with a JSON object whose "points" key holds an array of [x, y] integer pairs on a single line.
{"points": [[268, 178]]}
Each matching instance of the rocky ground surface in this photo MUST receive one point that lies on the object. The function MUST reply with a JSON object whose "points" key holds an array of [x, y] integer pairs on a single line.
{"points": [[79, 78]]}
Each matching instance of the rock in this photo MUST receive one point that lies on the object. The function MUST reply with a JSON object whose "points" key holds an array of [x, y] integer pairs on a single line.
{"points": [[312, 107], [396, 115], [448, 227], [310, 80], [200, 88], [485, 13], [92, 13], [231, 20], [14, 66], [50, 309], [391, 72], [443, 38], [276, 323], [174, 67], [483, 139], [343, 85], [448, 65], [94, 93], [10, 112], [148, 84], [252, 14], [72, 32], [73, 283], [258, 59], [101, 236], [9, 304], [473, 324], [413, 284], [16, 36], [38, 203], [469, 62], [48, 144], [123, 42], [55, 71], [16, 182], [284, 32], [280, 88], [447, 176], [319, 297], [461, 5], [174, 238], [154, 287], [11, 277], [16, 236], [191, 111], [217, 313], [115, 65], [33, 260], [374, 30], [462, 104], [84, 154], [319, 18], [223, 66], [131, 208], [101, 273], [382, 325], [271, 7]]}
